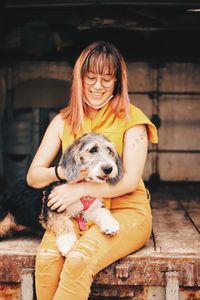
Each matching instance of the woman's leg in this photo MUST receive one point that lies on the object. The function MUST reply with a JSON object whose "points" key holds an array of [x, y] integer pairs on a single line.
{"points": [[49, 264], [94, 251]]}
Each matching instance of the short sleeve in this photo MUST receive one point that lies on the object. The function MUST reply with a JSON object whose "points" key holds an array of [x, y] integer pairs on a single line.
{"points": [[137, 117]]}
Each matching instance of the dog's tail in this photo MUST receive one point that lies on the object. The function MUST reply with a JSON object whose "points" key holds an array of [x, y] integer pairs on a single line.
{"points": [[20, 208], [6, 219]]}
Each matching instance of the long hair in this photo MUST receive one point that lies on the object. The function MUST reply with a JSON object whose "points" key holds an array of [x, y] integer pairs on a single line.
{"points": [[99, 57]]}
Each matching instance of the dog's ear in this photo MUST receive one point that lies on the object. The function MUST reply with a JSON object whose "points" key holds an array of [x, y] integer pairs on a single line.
{"points": [[71, 163], [117, 178]]}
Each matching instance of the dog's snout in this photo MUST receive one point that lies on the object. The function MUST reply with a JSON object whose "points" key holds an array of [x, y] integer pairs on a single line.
{"points": [[107, 170]]}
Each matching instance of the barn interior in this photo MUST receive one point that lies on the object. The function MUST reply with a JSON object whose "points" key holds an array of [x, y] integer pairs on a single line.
{"points": [[160, 41], [40, 41]]}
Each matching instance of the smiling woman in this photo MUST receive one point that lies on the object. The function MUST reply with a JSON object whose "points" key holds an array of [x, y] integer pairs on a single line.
{"points": [[99, 103], [97, 89], [99, 76]]}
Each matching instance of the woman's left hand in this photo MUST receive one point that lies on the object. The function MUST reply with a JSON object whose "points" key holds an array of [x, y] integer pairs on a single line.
{"points": [[63, 196]]}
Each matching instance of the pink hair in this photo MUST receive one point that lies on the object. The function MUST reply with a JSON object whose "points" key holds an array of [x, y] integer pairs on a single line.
{"points": [[99, 57]]}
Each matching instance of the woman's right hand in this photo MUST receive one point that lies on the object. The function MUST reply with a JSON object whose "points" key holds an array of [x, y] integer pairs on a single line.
{"points": [[83, 174], [64, 195]]}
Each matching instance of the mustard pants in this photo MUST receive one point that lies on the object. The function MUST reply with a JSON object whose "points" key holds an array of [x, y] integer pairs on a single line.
{"points": [[58, 278]]}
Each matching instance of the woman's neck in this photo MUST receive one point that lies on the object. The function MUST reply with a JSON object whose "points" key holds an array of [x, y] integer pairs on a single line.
{"points": [[92, 112]]}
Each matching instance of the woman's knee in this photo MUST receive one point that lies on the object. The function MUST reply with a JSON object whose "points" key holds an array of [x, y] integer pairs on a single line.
{"points": [[81, 259], [48, 256], [48, 263], [48, 267]]}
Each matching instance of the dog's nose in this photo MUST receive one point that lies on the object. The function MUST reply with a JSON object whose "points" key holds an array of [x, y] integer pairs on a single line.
{"points": [[107, 170]]}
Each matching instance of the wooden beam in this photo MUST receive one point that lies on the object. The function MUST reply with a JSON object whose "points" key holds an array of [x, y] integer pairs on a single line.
{"points": [[172, 286]]}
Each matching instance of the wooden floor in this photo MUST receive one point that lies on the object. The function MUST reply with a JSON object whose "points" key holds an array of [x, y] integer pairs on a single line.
{"points": [[174, 247], [176, 218]]}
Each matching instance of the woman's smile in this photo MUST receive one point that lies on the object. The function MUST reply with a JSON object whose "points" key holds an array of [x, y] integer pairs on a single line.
{"points": [[96, 94], [98, 91]]}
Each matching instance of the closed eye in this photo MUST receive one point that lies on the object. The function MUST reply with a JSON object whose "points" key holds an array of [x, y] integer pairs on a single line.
{"points": [[93, 149], [110, 150]]}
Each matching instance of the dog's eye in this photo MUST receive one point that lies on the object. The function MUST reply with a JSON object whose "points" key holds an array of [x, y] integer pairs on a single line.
{"points": [[109, 150], [93, 149]]}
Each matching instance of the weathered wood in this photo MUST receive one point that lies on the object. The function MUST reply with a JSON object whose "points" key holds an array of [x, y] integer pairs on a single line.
{"points": [[150, 270], [180, 77], [172, 286], [9, 291], [142, 77], [192, 209], [180, 122], [177, 166], [27, 284], [174, 247], [17, 254], [173, 230], [178, 132], [25, 71], [25, 245], [143, 102]]}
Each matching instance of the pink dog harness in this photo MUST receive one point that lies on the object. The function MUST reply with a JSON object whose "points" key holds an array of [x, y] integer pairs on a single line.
{"points": [[87, 201]]}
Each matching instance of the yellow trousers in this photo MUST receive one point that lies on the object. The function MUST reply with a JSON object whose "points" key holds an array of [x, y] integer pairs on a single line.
{"points": [[58, 278]]}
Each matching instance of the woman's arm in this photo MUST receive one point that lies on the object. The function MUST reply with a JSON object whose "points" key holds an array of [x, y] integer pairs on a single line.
{"points": [[39, 173], [133, 161], [134, 157]]}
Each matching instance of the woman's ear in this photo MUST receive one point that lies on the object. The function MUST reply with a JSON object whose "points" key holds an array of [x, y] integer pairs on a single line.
{"points": [[71, 163]]}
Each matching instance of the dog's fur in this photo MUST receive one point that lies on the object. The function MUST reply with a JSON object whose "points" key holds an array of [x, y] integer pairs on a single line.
{"points": [[27, 207]]}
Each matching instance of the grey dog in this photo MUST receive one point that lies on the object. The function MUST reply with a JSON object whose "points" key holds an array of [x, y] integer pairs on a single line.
{"points": [[99, 157]]}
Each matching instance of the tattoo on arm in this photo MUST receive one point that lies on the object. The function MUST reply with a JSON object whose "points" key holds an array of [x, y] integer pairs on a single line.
{"points": [[140, 138]]}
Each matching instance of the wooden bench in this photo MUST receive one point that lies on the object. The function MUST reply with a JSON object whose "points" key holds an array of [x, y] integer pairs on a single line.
{"points": [[168, 267]]}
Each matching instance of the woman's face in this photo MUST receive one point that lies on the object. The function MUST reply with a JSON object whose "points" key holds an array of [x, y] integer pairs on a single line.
{"points": [[98, 88]]}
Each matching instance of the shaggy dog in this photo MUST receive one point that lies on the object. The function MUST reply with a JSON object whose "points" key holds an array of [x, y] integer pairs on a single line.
{"points": [[27, 207]]}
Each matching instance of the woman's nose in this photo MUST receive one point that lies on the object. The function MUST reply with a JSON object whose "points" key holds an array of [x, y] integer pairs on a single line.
{"points": [[98, 84]]}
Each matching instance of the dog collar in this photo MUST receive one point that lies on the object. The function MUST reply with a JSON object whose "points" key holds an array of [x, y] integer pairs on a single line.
{"points": [[87, 202]]}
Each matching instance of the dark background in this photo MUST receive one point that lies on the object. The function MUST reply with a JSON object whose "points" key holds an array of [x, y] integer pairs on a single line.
{"points": [[142, 30]]}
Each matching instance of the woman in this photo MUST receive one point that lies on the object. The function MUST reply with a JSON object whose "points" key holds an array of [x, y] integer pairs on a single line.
{"points": [[99, 103]]}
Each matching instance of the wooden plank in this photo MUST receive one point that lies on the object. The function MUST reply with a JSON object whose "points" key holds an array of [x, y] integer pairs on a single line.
{"points": [[27, 284], [25, 71], [192, 209], [43, 93], [179, 166], [172, 286], [17, 254], [143, 102], [11, 266], [25, 245], [180, 77], [173, 230], [141, 77], [9, 291], [179, 131], [179, 122], [150, 270]]}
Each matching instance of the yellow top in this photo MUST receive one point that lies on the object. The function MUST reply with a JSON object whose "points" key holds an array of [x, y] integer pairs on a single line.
{"points": [[114, 128]]}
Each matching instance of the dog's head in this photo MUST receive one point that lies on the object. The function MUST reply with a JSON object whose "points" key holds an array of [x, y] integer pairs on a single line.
{"points": [[97, 154]]}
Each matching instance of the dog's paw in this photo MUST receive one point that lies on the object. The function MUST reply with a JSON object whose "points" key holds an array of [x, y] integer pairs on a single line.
{"points": [[65, 242], [110, 227]]}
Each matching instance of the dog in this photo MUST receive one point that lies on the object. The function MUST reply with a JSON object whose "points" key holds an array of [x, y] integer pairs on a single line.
{"points": [[27, 207]]}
